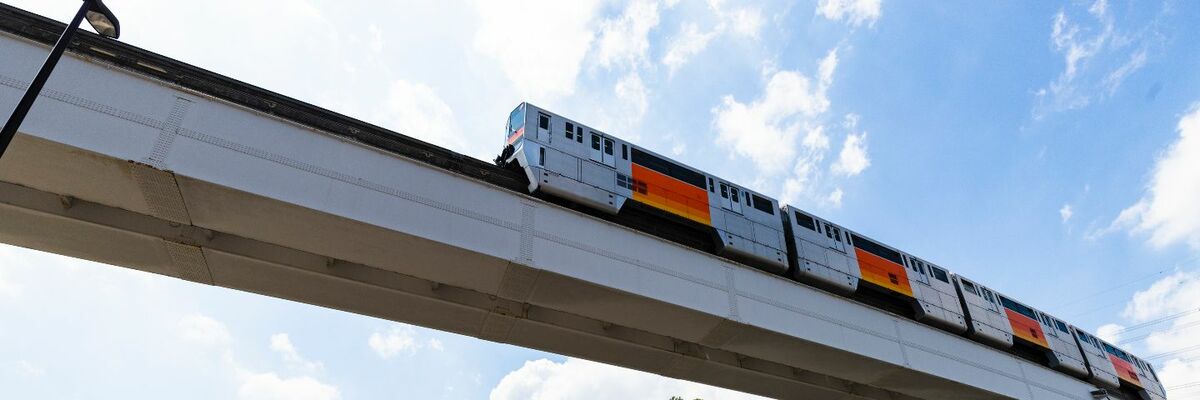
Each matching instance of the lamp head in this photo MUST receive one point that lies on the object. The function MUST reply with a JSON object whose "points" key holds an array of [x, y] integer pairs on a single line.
{"points": [[103, 20]]}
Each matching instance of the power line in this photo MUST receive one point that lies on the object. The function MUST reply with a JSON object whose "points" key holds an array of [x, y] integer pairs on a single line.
{"points": [[1163, 319], [1127, 283], [1174, 352], [1173, 329]]}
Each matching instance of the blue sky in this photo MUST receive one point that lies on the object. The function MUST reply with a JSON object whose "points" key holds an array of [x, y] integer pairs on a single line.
{"points": [[1050, 150]]}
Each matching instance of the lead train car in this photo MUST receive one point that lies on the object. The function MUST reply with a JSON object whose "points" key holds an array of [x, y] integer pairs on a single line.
{"points": [[570, 160], [566, 159]]}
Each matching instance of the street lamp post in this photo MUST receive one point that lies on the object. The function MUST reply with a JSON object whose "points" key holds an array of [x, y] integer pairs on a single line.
{"points": [[101, 19]]}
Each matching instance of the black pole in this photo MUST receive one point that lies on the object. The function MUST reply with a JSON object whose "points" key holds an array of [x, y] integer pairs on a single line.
{"points": [[35, 87]]}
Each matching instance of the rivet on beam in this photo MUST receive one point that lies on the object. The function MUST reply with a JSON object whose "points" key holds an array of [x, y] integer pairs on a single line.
{"points": [[67, 201]]}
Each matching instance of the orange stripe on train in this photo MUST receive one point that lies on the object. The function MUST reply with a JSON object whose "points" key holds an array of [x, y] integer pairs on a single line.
{"points": [[883, 272], [670, 195], [1125, 370], [1026, 328]]}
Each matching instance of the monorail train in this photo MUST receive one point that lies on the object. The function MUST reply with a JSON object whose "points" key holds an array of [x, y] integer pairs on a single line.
{"points": [[571, 161]]}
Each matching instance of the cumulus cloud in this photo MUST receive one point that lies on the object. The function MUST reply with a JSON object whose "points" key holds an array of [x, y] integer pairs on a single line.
{"points": [[7, 288], [686, 44], [852, 12], [203, 330], [1168, 210], [784, 134], [282, 344], [269, 386], [1089, 48], [1170, 300], [765, 129], [853, 159], [564, 32], [416, 110], [580, 379], [624, 40], [400, 339], [1110, 333], [1065, 213]]}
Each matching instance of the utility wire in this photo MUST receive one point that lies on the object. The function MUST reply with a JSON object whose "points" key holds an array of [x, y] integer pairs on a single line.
{"points": [[1163, 319], [1174, 352], [1173, 329], [1127, 283]]}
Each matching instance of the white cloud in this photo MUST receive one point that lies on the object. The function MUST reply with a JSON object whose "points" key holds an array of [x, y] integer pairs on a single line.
{"points": [[24, 370], [623, 40], [564, 32], [765, 130], [1168, 211], [200, 329], [435, 344], [398, 339], [580, 379], [282, 344], [269, 386], [1110, 333], [746, 21], [853, 159], [631, 93], [8, 288], [1066, 212], [415, 109], [1169, 300], [689, 42], [835, 197], [853, 12], [1088, 50]]}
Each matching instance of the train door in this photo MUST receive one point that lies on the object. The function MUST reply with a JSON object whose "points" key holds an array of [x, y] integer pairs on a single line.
{"points": [[608, 153], [543, 128], [735, 199], [595, 143], [918, 268], [730, 198], [990, 302], [833, 237]]}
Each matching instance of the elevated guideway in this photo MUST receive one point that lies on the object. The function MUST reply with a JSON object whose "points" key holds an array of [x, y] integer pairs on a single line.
{"points": [[139, 161]]}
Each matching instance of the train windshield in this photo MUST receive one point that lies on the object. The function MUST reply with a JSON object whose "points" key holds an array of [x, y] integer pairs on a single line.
{"points": [[516, 121]]}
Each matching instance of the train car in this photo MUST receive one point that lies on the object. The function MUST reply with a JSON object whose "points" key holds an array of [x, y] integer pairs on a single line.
{"points": [[1100, 370], [1123, 363], [831, 256], [570, 160], [1001, 321], [1149, 379]]}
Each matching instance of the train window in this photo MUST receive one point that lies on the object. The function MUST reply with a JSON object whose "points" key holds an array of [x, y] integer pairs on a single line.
{"points": [[710, 186], [876, 249], [608, 147], [1018, 307], [940, 274], [724, 191], [746, 196], [764, 205], [828, 232], [622, 181], [570, 131], [666, 167], [970, 287], [837, 234], [733, 194], [579, 134], [541, 156], [544, 121], [805, 221], [987, 294], [624, 151], [921, 267], [596, 141]]}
